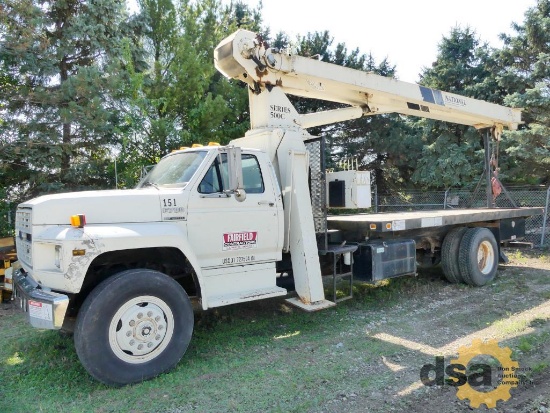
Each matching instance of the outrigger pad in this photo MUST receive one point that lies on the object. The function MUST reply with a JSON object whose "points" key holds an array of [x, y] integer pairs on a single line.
{"points": [[316, 306]]}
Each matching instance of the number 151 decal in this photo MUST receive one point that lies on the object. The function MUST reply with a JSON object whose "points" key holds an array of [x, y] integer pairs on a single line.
{"points": [[171, 210]]}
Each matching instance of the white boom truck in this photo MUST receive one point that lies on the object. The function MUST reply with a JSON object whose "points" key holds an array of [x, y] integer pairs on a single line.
{"points": [[224, 224]]}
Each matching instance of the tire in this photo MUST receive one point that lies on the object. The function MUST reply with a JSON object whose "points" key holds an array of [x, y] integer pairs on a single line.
{"points": [[133, 326], [478, 256], [449, 255]]}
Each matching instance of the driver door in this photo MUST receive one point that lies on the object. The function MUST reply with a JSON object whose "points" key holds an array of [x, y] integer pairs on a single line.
{"points": [[226, 232]]}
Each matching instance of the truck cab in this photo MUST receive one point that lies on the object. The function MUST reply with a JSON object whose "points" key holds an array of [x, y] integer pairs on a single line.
{"points": [[240, 229]]}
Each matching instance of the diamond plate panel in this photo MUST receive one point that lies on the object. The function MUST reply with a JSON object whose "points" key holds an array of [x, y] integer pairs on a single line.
{"points": [[317, 183]]}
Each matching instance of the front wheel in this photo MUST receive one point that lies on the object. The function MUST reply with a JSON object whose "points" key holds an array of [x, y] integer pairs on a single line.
{"points": [[133, 326]]}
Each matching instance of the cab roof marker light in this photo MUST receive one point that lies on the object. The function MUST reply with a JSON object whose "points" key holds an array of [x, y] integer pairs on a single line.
{"points": [[183, 148], [213, 144], [78, 221], [197, 145]]}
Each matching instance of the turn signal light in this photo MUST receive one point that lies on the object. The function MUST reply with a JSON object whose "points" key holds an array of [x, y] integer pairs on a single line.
{"points": [[78, 221]]}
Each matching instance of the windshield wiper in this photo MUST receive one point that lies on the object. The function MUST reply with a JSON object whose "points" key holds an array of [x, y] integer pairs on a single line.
{"points": [[149, 183]]}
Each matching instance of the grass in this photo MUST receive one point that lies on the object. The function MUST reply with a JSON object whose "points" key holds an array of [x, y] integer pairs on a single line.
{"points": [[506, 326], [238, 353], [539, 367], [533, 342], [265, 356], [517, 256]]}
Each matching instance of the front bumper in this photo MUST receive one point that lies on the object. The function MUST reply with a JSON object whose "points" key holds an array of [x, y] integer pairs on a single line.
{"points": [[44, 309]]}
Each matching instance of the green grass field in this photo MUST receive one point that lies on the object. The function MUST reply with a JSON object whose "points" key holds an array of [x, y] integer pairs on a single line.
{"points": [[268, 356]]}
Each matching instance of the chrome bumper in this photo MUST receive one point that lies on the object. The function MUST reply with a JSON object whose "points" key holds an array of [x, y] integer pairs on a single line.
{"points": [[44, 309]]}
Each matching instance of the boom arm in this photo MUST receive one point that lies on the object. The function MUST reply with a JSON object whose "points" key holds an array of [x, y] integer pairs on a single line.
{"points": [[244, 56]]}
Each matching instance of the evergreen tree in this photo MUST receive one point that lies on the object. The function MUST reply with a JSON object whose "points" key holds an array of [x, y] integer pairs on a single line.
{"points": [[61, 72], [452, 155], [525, 72]]}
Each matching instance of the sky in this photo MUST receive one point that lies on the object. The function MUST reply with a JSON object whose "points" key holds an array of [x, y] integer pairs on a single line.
{"points": [[406, 32]]}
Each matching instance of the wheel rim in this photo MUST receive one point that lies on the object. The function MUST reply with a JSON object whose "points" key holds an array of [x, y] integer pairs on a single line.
{"points": [[141, 329], [485, 257]]}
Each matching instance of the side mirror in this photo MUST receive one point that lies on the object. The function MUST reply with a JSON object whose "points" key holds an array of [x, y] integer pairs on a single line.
{"points": [[235, 171]]}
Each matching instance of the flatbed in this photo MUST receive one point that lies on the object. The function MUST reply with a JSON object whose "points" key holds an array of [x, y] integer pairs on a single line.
{"points": [[404, 221]]}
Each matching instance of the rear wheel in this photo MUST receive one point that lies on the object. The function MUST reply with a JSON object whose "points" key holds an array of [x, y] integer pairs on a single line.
{"points": [[478, 256], [449, 254], [133, 326]]}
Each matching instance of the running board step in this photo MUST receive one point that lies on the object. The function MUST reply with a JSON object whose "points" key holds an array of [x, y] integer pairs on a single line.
{"points": [[244, 296]]}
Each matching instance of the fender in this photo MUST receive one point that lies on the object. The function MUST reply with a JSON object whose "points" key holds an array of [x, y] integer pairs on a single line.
{"points": [[76, 248]]}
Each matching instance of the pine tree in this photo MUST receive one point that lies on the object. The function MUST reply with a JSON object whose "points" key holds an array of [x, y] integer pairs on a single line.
{"points": [[61, 73], [525, 72], [452, 155]]}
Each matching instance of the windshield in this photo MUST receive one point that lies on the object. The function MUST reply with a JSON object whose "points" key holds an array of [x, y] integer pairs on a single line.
{"points": [[174, 170]]}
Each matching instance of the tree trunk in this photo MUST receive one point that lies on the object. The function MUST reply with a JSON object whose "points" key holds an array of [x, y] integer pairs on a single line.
{"points": [[66, 126]]}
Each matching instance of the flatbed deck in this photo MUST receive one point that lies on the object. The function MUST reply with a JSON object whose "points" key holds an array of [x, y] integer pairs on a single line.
{"points": [[402, 221]]}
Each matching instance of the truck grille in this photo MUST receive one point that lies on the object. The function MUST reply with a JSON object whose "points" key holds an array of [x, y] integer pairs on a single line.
{"points": [[23, 235]]}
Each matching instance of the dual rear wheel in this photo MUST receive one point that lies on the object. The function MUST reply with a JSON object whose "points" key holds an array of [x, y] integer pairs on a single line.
{"points": [[469, 255]]}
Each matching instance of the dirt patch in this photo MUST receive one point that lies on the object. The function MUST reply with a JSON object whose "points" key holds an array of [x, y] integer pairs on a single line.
{"points": [[514, 311], [526, 398], [8, 308]]}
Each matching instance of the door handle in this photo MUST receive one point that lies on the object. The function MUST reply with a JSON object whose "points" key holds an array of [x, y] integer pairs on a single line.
{"points": [[270, 203]]}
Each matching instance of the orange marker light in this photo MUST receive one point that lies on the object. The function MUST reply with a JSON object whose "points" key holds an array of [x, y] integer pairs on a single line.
{"points": [[388, 225], [78, 221], [372, 226]]}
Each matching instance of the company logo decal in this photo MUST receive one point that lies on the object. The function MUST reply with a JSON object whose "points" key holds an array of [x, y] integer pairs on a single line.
{"points": [[240, 240], [439, 98], [454, 101]]}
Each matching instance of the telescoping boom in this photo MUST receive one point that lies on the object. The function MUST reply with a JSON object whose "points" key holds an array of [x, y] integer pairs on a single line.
{"points": [[245, 56]]}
